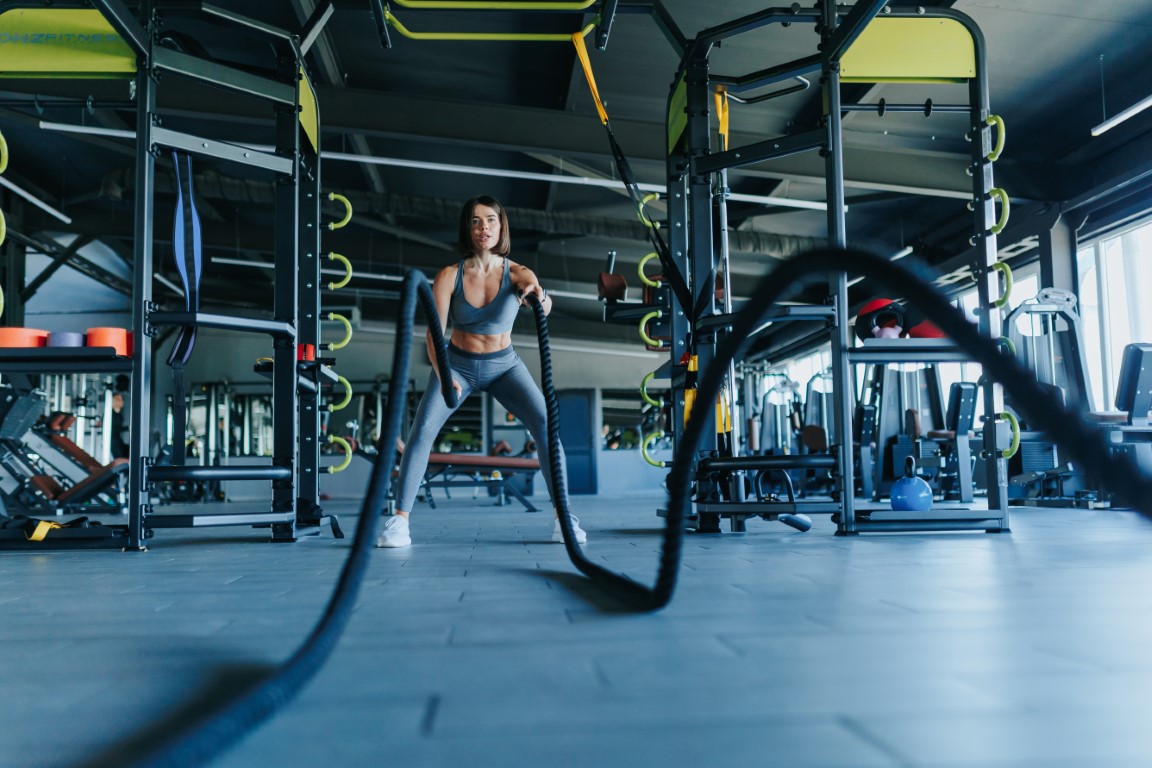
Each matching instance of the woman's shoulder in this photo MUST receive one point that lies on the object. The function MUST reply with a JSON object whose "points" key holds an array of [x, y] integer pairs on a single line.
{"points": [[446, 276], [448, 272]]}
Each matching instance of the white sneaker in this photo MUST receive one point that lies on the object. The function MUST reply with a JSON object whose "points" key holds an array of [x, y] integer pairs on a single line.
{"points": [[395, 533], [558, 535]]}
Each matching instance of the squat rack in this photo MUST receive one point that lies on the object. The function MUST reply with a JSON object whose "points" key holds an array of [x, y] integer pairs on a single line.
{"points": [[696, 203], [129, 47]]}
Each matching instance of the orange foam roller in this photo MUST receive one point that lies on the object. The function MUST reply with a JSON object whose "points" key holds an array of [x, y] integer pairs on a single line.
{"points": [[117, 338], [23, 337]]}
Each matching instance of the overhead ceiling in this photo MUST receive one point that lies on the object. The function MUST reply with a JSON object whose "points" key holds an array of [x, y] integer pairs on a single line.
{"points": [[1056, 68]]}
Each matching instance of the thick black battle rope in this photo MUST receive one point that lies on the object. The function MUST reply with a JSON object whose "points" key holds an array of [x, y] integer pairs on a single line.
{"points": [[1082, 441], [233, 720], [639, 595]]}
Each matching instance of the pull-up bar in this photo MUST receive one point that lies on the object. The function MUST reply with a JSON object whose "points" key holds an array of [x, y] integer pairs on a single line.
{"points": [[542, 37], [496, 5]]}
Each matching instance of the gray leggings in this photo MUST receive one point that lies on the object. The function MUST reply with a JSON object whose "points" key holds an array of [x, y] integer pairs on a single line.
{"points": [[503, 375]]}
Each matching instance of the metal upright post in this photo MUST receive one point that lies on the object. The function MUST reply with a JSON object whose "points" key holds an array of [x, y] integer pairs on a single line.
{"points": [[701, 245], [984, 238], [678, 227], [701, 251], [308, 333], [721, 194], [838, 285], [139, 505], [14, 263], [285, 397]]}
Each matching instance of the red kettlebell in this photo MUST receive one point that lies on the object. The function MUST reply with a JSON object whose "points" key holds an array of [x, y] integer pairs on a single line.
{"points": [[911, 493]]}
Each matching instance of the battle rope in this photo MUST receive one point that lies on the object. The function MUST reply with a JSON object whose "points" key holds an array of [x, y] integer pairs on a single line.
{"points": [[227, 725], [222, 728], [1085, 443], [642, 597]]}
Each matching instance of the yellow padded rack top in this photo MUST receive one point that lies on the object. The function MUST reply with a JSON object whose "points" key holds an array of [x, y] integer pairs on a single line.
{"points": [[309, 111], [62, 43], [928, 50]]}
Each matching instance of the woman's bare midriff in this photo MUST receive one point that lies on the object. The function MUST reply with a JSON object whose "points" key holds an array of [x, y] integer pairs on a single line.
{"points": [[480, 343]]}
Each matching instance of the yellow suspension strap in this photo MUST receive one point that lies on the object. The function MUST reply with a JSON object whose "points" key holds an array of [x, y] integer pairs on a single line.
{"points": [[721, 99], [691, 382], [723, 414], [38, 530], [690, 385], [41, 530], [671, 272]]}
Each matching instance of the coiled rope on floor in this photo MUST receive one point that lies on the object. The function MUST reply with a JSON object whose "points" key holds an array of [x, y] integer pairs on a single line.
{"points": [[236, 717]]}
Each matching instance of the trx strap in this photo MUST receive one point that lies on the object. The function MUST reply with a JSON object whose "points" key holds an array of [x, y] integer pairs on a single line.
{"points": [[721, 99], [671, 270], [41, 530], [640, 596], [36, 529], [186, 243]]}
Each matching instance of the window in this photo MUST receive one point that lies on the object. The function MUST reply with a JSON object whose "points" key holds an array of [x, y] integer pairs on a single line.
{"points": [[1114, 272]]}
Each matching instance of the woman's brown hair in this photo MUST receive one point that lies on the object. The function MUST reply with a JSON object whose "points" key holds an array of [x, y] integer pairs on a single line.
{"points": [[464, 236]]}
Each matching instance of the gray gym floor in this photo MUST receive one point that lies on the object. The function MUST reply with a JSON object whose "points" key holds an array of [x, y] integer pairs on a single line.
{"points": [[481, 646]]}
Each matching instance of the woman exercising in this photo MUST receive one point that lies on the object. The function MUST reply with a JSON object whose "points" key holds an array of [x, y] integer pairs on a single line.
{"points": [[481, 293]]}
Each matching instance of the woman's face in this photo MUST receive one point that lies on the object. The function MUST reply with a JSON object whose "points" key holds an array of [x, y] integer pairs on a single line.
{"points": [[485, 228]]}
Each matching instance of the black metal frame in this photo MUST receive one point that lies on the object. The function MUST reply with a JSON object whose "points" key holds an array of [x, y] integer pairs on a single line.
{"points": [[296, 170], [691, 191]]}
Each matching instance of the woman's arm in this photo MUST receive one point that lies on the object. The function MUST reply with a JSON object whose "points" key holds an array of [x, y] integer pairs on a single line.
{"points": [[525, 282]]}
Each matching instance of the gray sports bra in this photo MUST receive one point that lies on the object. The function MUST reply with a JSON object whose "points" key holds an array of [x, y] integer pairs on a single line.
{"points": [[494, 318]]}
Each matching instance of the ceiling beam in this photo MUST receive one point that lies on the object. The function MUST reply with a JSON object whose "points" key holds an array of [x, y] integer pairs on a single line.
{"points": [[486, 125]]}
